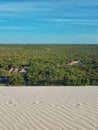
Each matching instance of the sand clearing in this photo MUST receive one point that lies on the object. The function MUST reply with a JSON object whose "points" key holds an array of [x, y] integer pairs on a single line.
{"points": [[57, 108]]}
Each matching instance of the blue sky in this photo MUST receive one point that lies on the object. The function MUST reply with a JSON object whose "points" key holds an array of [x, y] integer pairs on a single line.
{"points": [[49, 21]]}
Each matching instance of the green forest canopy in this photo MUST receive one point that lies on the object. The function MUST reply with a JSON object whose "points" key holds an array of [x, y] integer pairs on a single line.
{"points": [[48, 65]]}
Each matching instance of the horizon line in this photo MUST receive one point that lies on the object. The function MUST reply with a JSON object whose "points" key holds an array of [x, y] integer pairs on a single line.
{"points": [[47, 43]]}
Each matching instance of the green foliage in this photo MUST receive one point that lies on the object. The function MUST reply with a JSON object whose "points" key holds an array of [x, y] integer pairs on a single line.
{"points": [[75, 77], [16, 80], [48, 64], [4, 73]]}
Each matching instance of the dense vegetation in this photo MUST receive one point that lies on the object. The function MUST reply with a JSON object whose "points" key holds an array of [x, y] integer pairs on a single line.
{"points": [[49, 65]]}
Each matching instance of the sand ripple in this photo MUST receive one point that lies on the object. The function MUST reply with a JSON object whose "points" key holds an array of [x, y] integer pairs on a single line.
{"points": [[49, 108]]}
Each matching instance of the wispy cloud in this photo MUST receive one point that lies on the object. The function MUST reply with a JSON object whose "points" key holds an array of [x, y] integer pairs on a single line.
{"points": [[24, 6], [2, 21], [73, 21], [82, 2], [11, 8], [15, 28]]}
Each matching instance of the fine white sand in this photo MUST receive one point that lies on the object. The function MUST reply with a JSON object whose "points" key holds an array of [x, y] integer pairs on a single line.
{"points": [[49, 108]]}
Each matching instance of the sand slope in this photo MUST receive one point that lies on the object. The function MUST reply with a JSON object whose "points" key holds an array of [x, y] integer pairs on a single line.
{"points": [[54, 108]]}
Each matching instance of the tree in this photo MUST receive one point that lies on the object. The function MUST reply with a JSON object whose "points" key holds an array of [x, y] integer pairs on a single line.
{"points": [[4, 73], [16, 80], [75, 77]]}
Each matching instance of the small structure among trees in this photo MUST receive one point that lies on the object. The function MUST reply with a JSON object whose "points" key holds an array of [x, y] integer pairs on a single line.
{"points": [[23, 71], [76, 62]]}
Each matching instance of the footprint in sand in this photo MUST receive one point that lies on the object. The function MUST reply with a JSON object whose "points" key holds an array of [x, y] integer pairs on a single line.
{"points": [[37, 102], [11, 102], [77, 104], [62, 106], [54, 105]]}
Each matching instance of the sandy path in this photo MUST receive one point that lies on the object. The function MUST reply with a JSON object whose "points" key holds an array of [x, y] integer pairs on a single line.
{"points": [[54, 108]]}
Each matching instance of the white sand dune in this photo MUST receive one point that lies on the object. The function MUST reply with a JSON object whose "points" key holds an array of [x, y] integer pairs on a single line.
{"points": [[49, 108]]}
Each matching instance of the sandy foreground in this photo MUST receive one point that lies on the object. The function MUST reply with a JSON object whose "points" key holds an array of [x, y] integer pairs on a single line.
{"points": [[49, 108]]}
